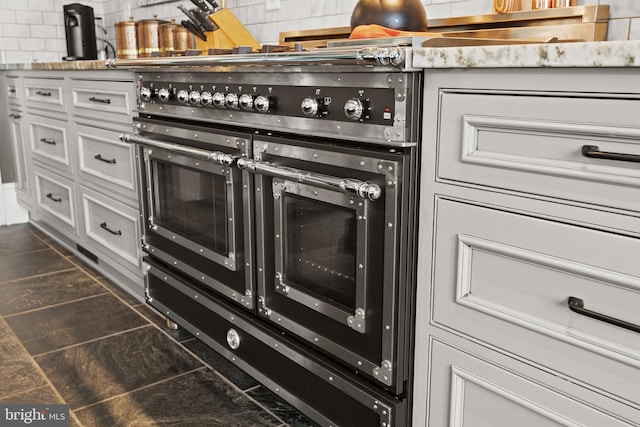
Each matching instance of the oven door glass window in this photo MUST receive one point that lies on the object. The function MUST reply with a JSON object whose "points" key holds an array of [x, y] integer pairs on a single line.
{"points": [[191, 203], [320, 250]]}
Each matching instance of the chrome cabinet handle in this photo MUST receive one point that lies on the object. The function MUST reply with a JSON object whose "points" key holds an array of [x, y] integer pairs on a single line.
{"points": [[102, 159], [12, 90], [41, 93], [577, 306], [366, 190], [55, 199], [100, 100], [15, 116], [592, 151], [48, 141], [104, 226]]}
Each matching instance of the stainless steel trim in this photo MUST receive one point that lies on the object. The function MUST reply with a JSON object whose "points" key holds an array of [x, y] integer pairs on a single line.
{"points": [[383, 56], [210, 156], [365, 190]]}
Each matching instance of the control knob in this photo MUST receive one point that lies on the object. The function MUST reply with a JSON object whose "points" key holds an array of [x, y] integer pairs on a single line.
{"points": [[262, 104], [183, 96], [246, 102], [310, 107], [164, 95], [354, 109], [206, 98], [218, 99], [231, 101], [194, 97], [145, 93]]}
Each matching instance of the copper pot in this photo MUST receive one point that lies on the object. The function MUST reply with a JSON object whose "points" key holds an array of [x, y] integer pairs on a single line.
{"points": [[127, 39], [408, 15], [182, 39], [149, 37], [167, 43]]}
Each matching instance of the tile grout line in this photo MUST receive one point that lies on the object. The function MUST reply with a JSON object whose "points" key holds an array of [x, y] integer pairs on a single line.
{"points": [[141, 388], [90, 341], [35, 276], [41, 371], [26, 252], [33, 310]]}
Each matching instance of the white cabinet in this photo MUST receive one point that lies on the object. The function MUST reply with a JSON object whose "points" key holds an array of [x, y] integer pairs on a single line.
{"points": [[84, 176], [528, 281]]}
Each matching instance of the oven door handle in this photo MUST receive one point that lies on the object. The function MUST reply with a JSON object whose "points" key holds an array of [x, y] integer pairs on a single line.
{"points": [[362, 189], [210, 156]]}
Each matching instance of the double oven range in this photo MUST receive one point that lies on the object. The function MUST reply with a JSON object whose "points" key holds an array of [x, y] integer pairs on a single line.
{"points": [[279, 209]]}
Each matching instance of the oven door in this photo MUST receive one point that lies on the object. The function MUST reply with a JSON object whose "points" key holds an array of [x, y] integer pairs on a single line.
{"points": [[329, 225], [196, 205]]}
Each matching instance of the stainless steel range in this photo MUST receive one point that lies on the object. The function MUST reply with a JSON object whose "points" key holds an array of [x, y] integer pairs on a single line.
{"points": [[279, 215]]}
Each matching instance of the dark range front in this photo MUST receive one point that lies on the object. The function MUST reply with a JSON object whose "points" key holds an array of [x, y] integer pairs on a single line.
{"points": [[279, 229]]}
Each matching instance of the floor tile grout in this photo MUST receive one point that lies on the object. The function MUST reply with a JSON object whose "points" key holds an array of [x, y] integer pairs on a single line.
{"points": [[33, 310], [35, 276]]}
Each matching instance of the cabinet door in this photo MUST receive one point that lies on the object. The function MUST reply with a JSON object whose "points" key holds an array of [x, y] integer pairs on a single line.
{"points": [[469, 392], [21, 154]]}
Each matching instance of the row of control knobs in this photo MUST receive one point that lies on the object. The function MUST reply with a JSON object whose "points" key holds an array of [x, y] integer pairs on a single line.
{"points": [[354, 108]]}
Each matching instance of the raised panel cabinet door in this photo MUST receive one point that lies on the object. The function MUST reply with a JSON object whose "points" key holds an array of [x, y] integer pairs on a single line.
{"points": [[467, 391]]}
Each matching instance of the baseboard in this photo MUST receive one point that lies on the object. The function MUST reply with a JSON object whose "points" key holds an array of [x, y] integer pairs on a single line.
{"points": [[12, 212]]}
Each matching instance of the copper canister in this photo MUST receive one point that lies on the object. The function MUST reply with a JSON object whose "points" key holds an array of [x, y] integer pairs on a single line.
{"points": [[127, 39], [182, 39], [149, 37], [166, 38]]}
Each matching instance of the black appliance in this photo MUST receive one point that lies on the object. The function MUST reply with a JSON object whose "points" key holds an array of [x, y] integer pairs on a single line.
{"points": [[278, 198], [80, 30]]}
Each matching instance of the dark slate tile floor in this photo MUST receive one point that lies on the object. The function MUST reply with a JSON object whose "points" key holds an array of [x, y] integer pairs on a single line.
{"points": [[70, 335]]}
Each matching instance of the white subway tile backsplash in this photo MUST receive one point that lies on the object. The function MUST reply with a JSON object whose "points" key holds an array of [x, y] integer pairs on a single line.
{"points": [[26, 17], [41, 5]]}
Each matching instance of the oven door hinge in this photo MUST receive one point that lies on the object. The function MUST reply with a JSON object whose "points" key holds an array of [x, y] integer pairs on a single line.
{"points": [[383, 373], [247, 298], [356, 321], [262, 309]]}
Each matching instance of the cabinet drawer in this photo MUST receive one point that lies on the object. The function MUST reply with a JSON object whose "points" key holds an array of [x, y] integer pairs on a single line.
{"points": [[55, 197], [534, 144], [103, 156], [104, 99], [13, 90], [49, 141], [469, 392], [112, 226], [45, 93], [506, 279]]}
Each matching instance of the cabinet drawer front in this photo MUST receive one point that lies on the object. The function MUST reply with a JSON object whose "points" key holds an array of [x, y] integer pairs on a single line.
{"points": [[49, 141], [112, 226], [104, 156], [467, 391], [506, 279], [55, 195], [99, 98], [45, 93], [518, 143]]}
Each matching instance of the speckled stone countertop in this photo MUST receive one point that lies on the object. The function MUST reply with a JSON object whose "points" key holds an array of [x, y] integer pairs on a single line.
{"points": [[591, 54], [62, 65]]}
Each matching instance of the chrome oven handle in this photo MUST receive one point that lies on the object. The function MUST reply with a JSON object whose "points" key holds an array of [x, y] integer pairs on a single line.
{"points": [[210, 156], [362, 189]]}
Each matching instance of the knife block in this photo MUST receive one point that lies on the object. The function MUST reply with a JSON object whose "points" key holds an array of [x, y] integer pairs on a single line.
{"points": [[230, 33]]}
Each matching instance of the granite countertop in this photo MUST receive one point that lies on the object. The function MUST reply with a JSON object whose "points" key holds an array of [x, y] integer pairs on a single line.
{"points": [[588, 54], [62, 65]]}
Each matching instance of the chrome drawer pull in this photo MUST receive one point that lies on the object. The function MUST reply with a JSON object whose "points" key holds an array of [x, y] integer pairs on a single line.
{"points": [[15, 116], [102, 159], [593, 152], [55, 199], [577, 305], [12, 90], [106, 227], [101, 100], [48, 141], [41, 93]]}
